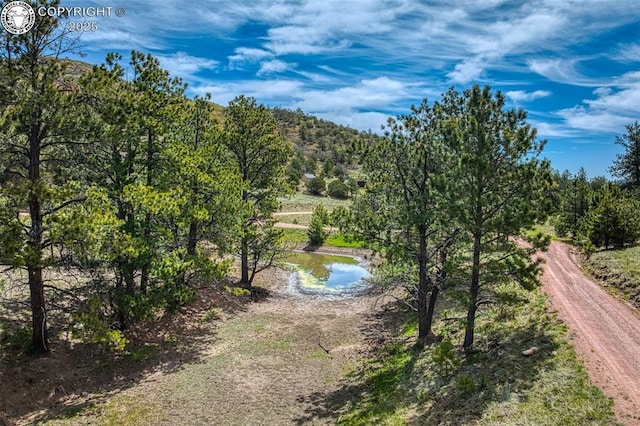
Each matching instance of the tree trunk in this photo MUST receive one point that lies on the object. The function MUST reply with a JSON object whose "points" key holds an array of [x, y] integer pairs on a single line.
{"points": [[425, 285], [40, 335], [244, 260], [192, 239], [474, 290], [34, 262], [144, 273]]}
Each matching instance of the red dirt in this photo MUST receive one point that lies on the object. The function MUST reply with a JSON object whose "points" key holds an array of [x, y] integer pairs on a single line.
{"points": [[606, 330]]}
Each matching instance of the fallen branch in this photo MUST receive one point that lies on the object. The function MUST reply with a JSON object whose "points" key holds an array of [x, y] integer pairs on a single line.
{"points": [[325, 349]]}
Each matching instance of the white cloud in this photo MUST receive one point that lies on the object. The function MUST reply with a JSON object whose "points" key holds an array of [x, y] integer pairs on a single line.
{"points": [[376, 93], [467, 71], [629, 52], [611, 108], [522, 96], [269, 92], [243, 55], [273, 67], [185, 66]]}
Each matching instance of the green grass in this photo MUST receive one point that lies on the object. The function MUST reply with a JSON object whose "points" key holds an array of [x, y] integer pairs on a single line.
{"points": [[547, 229], [297, 219], [294, 236], [494, 385], [297, 236], [619, 270], [300, 202], [339, 240]]}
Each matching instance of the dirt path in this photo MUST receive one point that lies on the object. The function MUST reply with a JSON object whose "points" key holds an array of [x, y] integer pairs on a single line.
{"points": [[607, 331], [291, 213]]}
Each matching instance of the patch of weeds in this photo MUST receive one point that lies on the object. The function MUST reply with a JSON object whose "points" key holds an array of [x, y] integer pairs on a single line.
{"points": [[409, 328], [237, 291], [122, 411], [385, 382], [618, 270], [466, 385], [144, 352], [211, 315], [293, 236], [170, 339], [318, 355], [20, 340]]}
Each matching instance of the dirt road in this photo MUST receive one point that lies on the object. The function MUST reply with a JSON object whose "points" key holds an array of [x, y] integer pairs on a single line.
{"points": [[607, 331]]}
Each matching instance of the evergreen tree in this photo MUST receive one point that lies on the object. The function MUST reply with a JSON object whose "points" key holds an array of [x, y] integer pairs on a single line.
{"points": [[38, 114], [405, 211], [316, 186], [627, 164], [260, 156], [501, 187], [316, 233], [576, 199]]}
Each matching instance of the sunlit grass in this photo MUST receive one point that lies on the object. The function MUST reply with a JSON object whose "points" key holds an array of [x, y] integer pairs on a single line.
{"points": [[494, 385], [306, 202], [619, 270]]}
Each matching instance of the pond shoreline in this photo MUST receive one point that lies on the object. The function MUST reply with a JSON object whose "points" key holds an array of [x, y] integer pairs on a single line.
{"points": [[365, 254]]}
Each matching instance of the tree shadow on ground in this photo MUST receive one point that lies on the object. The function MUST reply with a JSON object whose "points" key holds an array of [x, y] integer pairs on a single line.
{"points": [[379, 330], [398, 378], [76, 376]]}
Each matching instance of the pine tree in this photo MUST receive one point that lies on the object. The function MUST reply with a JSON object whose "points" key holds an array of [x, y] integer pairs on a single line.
{"points": [[501, 187], [260, 156], [39, 130], [405, 210], [627, 164]]}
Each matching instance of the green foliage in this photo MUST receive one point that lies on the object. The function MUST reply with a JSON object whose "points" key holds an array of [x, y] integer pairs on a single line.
{"points": [[338, 189], [500, 187], [613, 221], [237, 291], [39, 132], [19, 339], [92, 325], [445, 358], [575, 201], [316, 233], [259, 155], [404, 211], [466, 385], [316, 186], [627, 163]]}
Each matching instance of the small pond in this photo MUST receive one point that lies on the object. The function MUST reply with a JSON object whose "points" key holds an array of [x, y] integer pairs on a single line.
{"points": [[326, 273]]}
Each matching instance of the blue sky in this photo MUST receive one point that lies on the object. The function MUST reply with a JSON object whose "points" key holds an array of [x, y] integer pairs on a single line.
{"points": [[574, 65]]}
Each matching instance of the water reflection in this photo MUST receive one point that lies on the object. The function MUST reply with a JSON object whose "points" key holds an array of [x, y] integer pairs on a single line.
{"points": [[326, 272]]}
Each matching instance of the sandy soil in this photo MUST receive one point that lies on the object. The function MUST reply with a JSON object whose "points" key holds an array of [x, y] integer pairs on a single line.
{"points": [[606, 330]]}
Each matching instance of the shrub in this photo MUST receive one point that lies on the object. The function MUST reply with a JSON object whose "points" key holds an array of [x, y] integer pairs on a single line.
{"points": [[338, 189], [316, 186]]}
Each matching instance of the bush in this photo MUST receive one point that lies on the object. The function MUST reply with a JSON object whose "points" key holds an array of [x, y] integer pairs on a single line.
{"points": [[93, 325], [338, 189], [316, 186]]}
